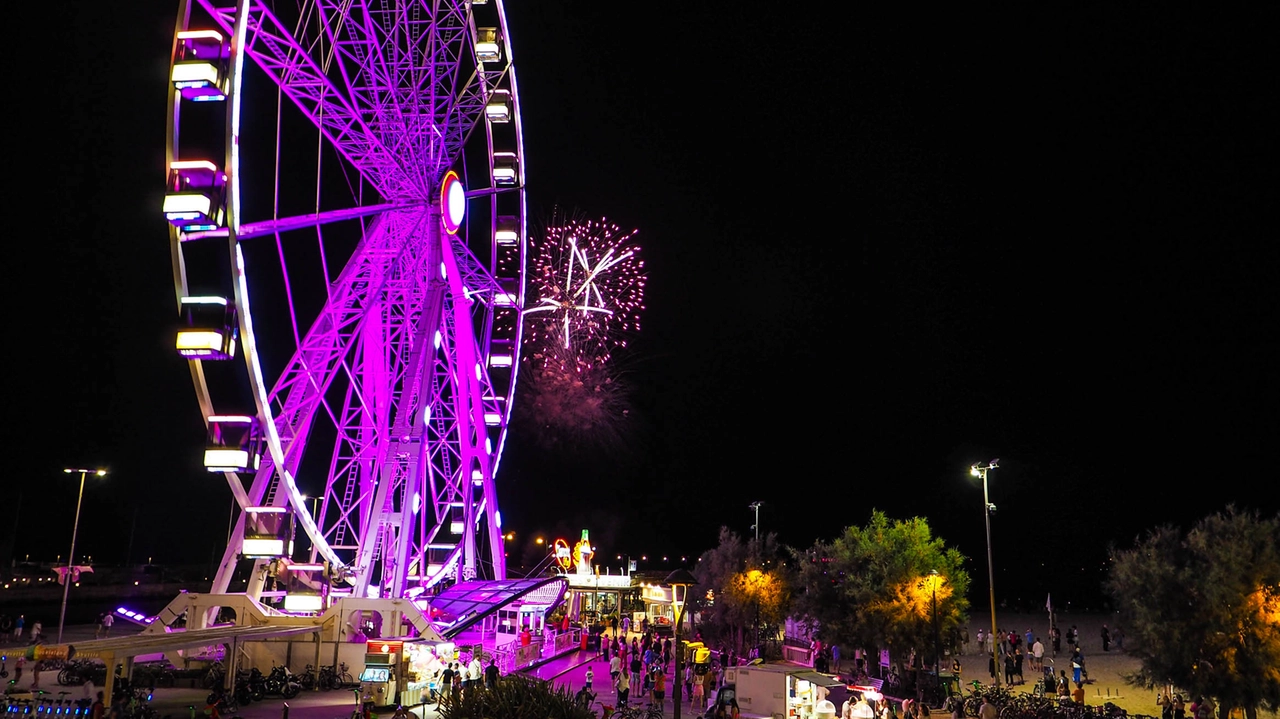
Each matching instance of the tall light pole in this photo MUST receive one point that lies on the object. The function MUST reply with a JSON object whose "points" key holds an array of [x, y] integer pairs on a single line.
{"points": [[978, 470], [934, 579], [75, 529], [756, 506], [677, 579]]}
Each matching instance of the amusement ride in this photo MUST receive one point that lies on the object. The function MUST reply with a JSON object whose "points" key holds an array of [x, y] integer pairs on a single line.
{"points": [[355, 357]]}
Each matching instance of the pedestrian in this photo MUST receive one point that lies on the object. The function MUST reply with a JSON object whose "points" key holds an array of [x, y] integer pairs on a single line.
{"points": [[18, 625], [1076, 665], [590, 677], [699, 692], [615, 666], [1037, 655], [1077, 694], [1119, 638], [1008, 669], [660, 689], [491, 674], [97, 634], [835, 657], [108, 621], [35, 673], [1165, 702], [688, 682], [1055, 635], [620, 689], [98, 707], [446, 682], [36, 630], [982, 642], [1106, 639], [475, 673], [988, 710], [1017, 667]]}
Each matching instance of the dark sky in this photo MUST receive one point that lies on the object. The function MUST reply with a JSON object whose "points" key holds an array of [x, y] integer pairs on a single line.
{"points": [[880, 249]]}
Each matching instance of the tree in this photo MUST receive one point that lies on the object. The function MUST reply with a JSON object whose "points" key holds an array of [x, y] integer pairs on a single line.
{"points": [[1203, 611], [749, 590], [872, 587]]}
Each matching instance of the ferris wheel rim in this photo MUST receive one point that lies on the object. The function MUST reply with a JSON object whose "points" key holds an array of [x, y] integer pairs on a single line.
{"points": [[262, 393]]}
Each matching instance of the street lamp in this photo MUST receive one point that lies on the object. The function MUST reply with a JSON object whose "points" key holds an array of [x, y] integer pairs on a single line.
{"points": [[75, 528], [978, 470], [756, 506], [934, 580], [681, 578]]}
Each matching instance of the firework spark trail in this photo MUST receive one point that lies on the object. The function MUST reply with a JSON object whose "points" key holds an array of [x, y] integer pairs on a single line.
{"points": [[586, 294], [589, 289]]}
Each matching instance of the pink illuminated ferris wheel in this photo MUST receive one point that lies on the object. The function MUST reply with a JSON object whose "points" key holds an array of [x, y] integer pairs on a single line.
{"points": [[347, 209]]}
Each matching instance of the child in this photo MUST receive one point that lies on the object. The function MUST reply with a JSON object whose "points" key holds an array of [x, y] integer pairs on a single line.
{"points": [[591, 675]]}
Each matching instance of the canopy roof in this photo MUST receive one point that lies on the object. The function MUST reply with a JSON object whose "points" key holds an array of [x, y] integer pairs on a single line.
{"points": [[466, 603]]}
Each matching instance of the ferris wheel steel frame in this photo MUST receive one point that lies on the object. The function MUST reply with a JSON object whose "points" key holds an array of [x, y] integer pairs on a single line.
{"points": [[420, 330]]}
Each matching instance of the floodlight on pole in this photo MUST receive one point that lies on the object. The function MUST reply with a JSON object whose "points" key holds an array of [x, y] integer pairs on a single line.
{"points": [[756, 506], [980, 470], [75, 529]]}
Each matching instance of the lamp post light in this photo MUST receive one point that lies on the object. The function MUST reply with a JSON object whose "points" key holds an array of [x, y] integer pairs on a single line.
{"points": [[75, 529], [934, 580], [978, 470], [681, 578], [756, 506]]}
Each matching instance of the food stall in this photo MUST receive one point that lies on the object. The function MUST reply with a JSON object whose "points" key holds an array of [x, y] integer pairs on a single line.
{"points": [[399, 672], [783, 690]]}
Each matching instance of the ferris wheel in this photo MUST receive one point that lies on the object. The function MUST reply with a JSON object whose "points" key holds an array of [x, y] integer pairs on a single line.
{"points": [[354, 361]]}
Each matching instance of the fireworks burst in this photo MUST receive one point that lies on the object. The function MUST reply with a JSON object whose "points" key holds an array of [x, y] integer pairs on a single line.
{"points": [[588, 290], [586, 293]]}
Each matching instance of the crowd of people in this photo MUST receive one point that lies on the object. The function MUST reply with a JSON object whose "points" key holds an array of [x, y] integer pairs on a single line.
{"points": [[643, 670]]}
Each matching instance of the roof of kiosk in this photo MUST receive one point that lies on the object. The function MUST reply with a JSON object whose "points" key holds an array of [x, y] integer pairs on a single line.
{"points": [[466, 603]]}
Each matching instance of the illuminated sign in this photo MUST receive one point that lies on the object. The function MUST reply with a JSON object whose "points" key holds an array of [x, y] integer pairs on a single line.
{"points": [[453, 202]]}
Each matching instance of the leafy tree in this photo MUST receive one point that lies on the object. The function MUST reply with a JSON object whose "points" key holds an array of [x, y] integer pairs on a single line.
{"points": [[1203, 610], [872, 587], [741, 585]]}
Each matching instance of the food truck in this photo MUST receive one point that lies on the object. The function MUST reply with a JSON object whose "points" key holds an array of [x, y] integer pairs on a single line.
{"points": [[782, 691]]}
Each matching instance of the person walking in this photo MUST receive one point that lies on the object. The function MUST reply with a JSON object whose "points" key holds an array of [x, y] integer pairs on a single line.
{"points": [[36, 630], [1037, 656], [589, 678], [18, 625], [660, 690]]}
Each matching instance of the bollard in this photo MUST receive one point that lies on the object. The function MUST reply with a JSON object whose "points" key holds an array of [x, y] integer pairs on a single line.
{"points": [[284, 711]]}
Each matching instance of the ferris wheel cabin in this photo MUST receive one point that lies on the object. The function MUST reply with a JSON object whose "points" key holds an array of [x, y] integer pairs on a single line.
{"points": [[200, 69], [235, 444], [209, 328], [194, 197], [268, 533]]}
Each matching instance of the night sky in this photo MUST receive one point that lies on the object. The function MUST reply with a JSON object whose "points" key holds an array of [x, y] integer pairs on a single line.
{"points": [[880, 249]]}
